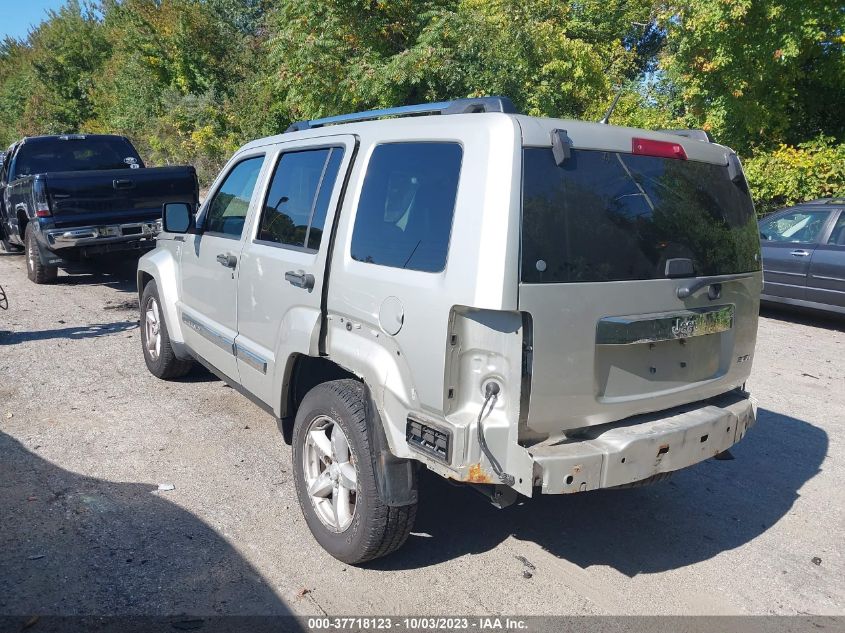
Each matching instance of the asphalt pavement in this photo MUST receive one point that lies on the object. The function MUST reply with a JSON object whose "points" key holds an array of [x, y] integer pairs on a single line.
{"points": [[87, 436]]}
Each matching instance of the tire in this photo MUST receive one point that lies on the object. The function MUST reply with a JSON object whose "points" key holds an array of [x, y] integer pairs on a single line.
{"points": [[8, 246], [367, 528], [36, 271], [158, 353]]}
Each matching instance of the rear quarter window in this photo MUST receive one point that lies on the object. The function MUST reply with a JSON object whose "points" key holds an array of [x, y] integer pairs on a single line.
{"points": [[407, 202]]}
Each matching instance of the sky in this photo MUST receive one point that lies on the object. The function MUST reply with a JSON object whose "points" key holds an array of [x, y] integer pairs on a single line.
{"points": [[19, 15]]}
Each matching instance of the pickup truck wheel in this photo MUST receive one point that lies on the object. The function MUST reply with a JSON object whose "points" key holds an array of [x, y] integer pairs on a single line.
{"points": [[158, 353], [8, 246], [35, 270], [334, 477]]}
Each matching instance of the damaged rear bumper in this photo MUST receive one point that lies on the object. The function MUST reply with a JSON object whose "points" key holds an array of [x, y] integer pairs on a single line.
{"points": [[643, 446]]}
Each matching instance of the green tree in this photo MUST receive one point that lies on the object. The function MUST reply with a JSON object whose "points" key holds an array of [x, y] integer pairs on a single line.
{"points": [[786, 175], [175, 69], [756, 73], [246, 16], [67, 52], [16, 79], [550, 57]]}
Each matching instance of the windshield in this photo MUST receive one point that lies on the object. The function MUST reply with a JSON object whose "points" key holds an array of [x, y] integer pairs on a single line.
{"points": [[80, 154], [608, 216]]}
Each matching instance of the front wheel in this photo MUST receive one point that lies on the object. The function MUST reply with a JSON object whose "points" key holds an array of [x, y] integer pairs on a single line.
{"points": [[158, 353], [7, 245], [335, 480]]}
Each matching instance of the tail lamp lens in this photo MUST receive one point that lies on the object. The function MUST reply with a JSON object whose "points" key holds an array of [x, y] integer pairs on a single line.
{"points": [[42, 204]]}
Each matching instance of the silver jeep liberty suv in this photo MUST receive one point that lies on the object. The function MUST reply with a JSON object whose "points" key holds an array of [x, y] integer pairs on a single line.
{"points": [[527, 305]]}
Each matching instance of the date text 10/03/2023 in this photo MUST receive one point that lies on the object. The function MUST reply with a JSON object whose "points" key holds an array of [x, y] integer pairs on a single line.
{"points": [[418, 623]]}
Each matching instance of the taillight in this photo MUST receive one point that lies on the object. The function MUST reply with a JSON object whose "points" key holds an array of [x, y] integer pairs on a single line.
{"points": [[662, 149], [42, 204]]}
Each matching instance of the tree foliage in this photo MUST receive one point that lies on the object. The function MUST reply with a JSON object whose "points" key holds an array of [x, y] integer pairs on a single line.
{"points": [[756, 73], [790, 174], [550, 57], [189, 80]]}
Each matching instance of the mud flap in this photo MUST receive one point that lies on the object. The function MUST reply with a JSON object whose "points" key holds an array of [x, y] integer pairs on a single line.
{"points": [[396, 478], [48, 258]]}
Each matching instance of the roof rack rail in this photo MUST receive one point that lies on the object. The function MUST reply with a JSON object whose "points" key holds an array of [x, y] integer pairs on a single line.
{"points": [[698, 135], [456, 106]]}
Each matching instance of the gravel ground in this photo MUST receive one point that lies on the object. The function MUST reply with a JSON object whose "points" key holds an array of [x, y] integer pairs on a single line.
{"points": [[87, 435]]}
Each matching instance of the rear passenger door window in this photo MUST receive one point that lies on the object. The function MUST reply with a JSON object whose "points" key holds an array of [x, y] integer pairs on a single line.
{"points": [[404, 217], [294, 211]]}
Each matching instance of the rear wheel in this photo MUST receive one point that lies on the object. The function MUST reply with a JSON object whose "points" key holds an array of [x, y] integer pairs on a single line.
{"points": [[335, 480], [158, 353], [37, 271]]}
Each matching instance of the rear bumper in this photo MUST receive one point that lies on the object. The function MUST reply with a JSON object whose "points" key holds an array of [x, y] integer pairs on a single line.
{"points": [[637, 448], [86, 236]]}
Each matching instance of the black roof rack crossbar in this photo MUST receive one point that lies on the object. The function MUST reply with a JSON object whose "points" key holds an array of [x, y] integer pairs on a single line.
{"points": [[456, 106]]}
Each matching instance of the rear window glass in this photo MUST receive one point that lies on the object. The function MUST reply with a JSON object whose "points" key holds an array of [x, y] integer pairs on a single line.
{"points": [[407, 201], [38, 157], [608, 216]]}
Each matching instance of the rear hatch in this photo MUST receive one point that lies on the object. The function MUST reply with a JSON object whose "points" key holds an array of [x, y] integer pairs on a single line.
{"points": [[612, 241], [115, 196]]}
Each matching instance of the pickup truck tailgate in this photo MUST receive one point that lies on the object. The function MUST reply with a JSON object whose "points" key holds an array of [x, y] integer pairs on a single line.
{"points": [[124, 195]]}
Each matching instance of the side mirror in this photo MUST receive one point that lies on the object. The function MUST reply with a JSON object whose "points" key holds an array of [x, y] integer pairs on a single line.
{"points": [[176, 217]]}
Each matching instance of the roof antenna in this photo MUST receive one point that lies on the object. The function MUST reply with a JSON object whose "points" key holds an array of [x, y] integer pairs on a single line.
{"points": [[606, 118]]}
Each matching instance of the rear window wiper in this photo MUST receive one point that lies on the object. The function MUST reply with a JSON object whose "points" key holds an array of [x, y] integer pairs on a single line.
{"points": [[697, 284]]}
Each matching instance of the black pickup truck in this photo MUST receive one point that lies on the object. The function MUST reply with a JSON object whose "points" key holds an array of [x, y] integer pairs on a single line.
{"points": [[65, 198]]}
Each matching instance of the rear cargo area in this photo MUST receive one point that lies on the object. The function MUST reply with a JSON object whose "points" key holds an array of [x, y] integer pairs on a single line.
{"points": [[608, 240]]}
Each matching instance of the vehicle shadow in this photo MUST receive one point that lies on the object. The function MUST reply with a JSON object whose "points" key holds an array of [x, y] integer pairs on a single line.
{"points": [[76, 545], [94, 330], [804, 317], [702, 511], [198, 374], [114, 272]]}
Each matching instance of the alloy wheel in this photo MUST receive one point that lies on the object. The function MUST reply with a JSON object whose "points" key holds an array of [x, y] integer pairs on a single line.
{"points": [[152, 328], [331, 476]]}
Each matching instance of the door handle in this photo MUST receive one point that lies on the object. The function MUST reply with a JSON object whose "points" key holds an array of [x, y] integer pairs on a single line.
{"points": [[123, 184], [300, 279], [228, 260], [800, 253]]}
